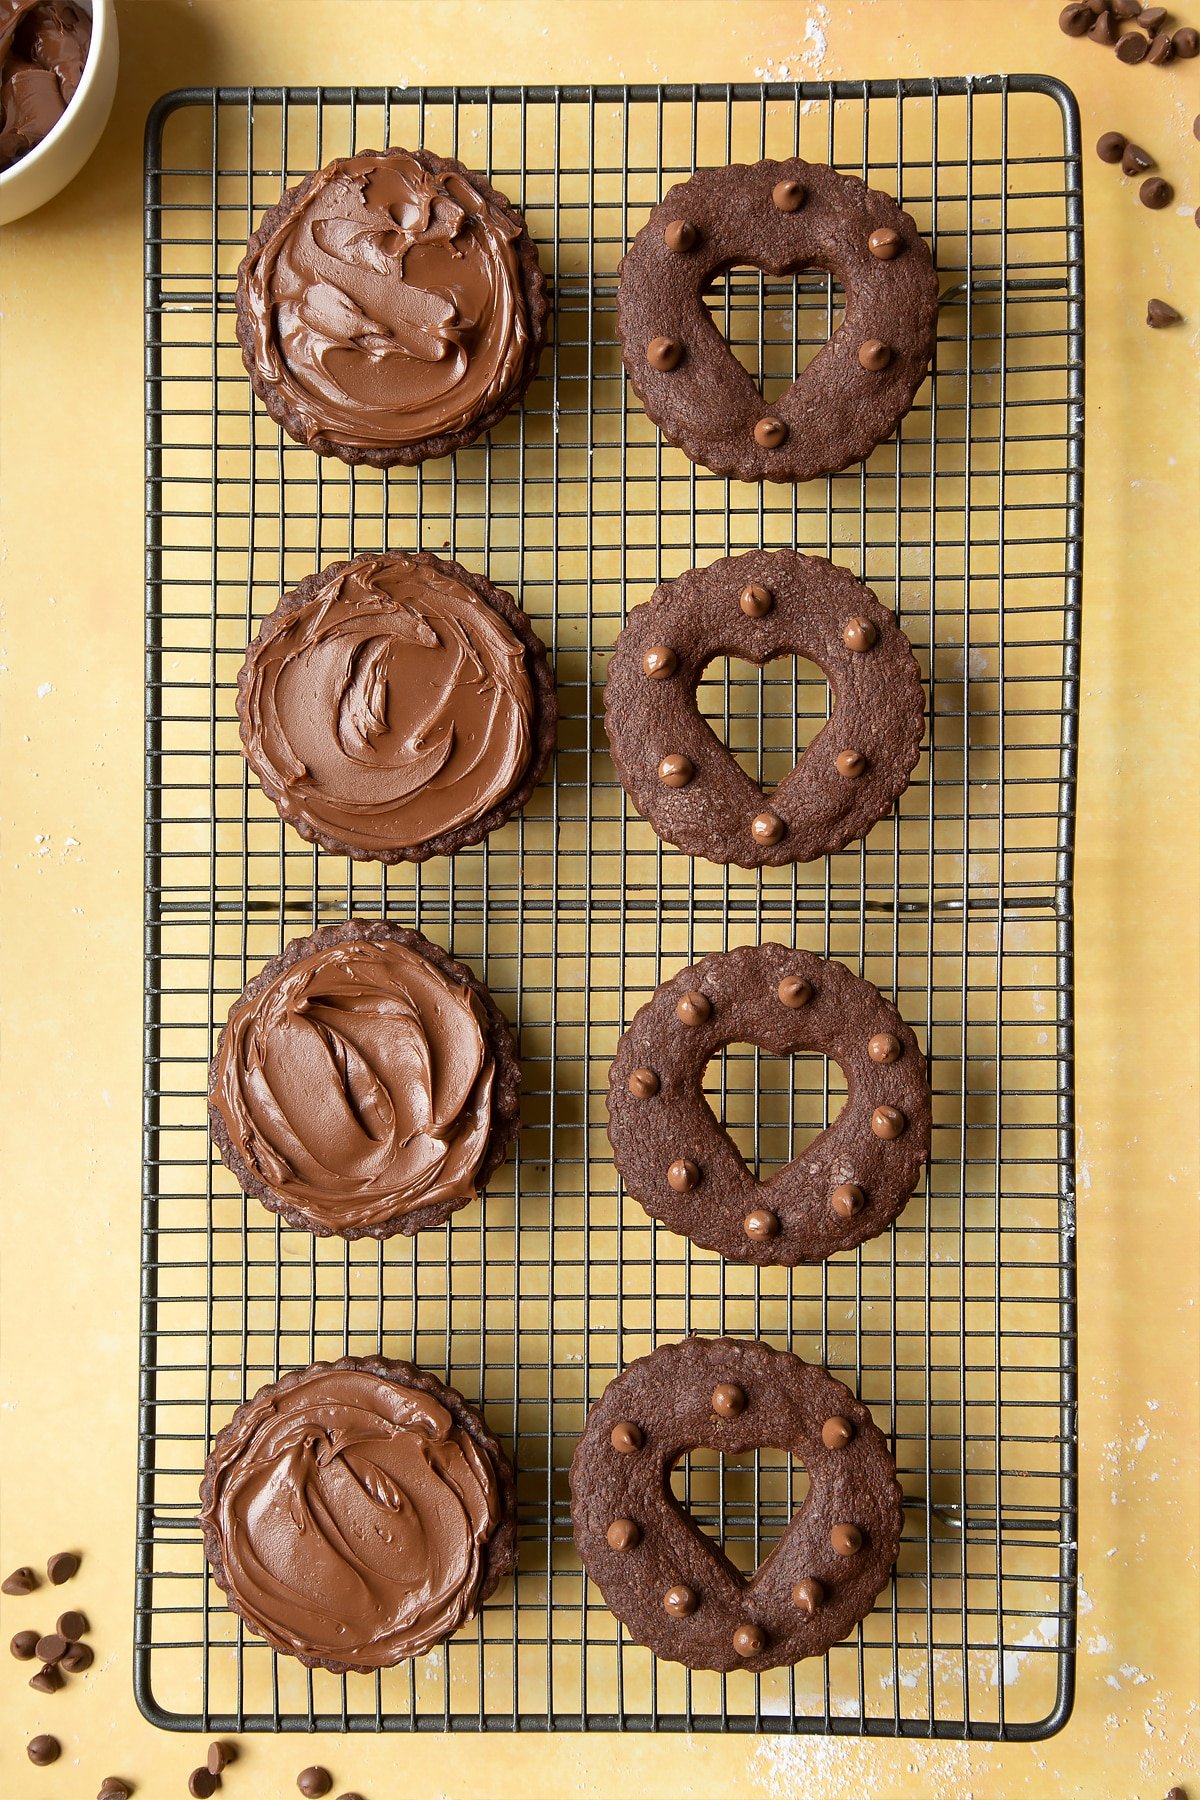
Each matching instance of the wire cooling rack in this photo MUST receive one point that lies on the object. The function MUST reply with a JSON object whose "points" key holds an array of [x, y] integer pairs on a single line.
{"points": [[958, 1327]]}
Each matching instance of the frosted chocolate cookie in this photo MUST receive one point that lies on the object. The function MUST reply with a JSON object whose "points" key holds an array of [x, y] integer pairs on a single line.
{"points": [[679, 1161], [779, 217], [397, 707], [365, 1083], [672, 1587], [390, 308], [357, 1513], [765, 604]]}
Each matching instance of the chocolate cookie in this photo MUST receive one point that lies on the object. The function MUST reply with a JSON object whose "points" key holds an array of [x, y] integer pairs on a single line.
{"points": [[390, 308], [672, 1587], [397, 707], [680, 1163], [764, 604], [357, 1513], [779, 217], [365, 1083]]}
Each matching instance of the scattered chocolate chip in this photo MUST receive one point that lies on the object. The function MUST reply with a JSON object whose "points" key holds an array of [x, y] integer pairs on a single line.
{"points": [[1132, 47], [1161, 50], [43, 1750], [1196, 126], [1103, 30], [21, 1581], [60, 1568], [1186, 42], [1151, 18], [1111, 147], [1159, 313], [24, 1644], [349, 1797], [1127, 9], [1176, 1793], [314, 1782], [46, 1681], [52, 1648], [1135, 160], [220, 1756], [202, 1785], [113, 1788], [78, 1659], [1099, 6], [72, 1626], [1156, 193], [1075, 20]]}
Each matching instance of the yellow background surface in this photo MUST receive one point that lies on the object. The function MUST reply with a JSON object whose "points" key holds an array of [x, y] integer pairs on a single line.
{"points": [[71, 577]]}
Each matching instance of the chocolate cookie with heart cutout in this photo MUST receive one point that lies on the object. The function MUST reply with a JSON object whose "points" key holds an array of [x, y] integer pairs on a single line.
{"points": [[671, 1585], [681, 1164], [759, 606], [780, 217]]}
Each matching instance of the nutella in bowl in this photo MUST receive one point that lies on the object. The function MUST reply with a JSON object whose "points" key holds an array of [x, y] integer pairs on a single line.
{"points": [[397, 707], [43, 48], [365, 1083], [391, 308], [357, 1513]]}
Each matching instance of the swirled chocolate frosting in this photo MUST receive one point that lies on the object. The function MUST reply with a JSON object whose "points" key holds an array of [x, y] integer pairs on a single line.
{"points": [[355, 1085], [350, 1513], [388, 707], [387, 301]]}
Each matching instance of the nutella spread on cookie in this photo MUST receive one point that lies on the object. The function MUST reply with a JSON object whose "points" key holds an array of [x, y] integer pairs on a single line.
{"points": [[351, 1514], [389, 303], [357, 1085], [389, 707], [43, 47]]}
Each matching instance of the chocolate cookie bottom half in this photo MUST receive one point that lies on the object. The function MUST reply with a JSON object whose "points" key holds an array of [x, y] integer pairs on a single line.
{"points": [[357, 1513]]}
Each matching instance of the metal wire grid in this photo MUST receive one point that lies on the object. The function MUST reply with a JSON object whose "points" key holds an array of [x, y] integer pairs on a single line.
{"points": [[959, 1326]]}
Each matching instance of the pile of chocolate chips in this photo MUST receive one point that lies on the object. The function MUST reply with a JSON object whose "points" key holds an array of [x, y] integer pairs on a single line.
{"points": [[43, 47], [1150, 41]]}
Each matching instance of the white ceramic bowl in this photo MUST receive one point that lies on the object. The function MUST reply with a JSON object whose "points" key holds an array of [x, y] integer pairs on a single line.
{"points": [[62, 153]]}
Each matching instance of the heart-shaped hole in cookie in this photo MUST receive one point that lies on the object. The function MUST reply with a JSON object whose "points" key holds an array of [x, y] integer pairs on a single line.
{"points": [[767, 716], [775, 324], [773, 1106], [744, 1503]]}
